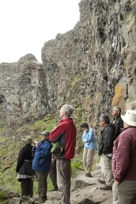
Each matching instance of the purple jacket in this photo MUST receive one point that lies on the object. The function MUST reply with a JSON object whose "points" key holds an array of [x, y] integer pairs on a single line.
{"points": [[124, 155]]}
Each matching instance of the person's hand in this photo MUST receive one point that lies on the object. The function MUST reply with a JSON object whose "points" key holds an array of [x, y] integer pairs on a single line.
{"points": [[36, 144], [117, 183], [53, 157]]}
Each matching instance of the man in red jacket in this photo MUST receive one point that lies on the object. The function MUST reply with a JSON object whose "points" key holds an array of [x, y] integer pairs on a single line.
{"points": [[124, 162], [65, 135]]}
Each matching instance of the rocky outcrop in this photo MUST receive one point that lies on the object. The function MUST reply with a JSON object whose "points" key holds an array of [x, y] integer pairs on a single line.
{"points": [[92, 67], [84, 191], [23, 92]]}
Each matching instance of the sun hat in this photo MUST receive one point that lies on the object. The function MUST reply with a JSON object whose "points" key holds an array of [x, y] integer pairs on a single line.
{"points": [[27, 139], [130, 117]]}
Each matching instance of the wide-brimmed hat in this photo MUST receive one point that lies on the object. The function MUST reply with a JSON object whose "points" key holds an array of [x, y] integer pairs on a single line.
{"points": [[130, 117], [27, 139]]}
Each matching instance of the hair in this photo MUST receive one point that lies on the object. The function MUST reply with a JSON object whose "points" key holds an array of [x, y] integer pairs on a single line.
{"points": [[67, 109], [105, 118], [27, 140], [117, 108], [84, 125]]}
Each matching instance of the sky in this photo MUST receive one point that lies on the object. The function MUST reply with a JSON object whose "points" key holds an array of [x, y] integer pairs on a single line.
{"points": [[25, 25]]}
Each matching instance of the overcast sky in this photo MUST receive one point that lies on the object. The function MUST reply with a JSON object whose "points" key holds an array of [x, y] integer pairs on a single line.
{"points": [[25, 25]]}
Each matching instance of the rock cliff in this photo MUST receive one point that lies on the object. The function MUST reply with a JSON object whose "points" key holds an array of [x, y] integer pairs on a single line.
{"points": [[23, 94], [91, 67]]}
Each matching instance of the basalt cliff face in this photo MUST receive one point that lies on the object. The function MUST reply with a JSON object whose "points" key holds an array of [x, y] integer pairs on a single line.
{"points": [[91, 67]]}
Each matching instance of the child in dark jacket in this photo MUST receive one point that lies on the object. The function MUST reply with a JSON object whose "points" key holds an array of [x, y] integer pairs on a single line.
{"points": [[41, 164]]}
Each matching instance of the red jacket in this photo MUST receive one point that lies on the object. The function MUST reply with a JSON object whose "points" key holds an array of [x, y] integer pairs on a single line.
{"points": [[65, 133], [124, 155]]}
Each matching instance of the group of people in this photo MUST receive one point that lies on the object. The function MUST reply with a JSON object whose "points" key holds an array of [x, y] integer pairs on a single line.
{"points": [[54, 152], [117, 151]]}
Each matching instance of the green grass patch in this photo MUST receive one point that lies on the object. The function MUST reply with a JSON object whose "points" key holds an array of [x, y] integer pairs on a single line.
{"points": [[2, 196], [11, 145], [77, 165]]}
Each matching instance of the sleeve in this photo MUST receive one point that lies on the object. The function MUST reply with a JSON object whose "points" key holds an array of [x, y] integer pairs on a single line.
{"points": [[122, 158], [121, 124], [57, 132], [20, 159], [84, 138], [118, 127], [44, 150], [90, 136], [108, 140], [33, 150]]}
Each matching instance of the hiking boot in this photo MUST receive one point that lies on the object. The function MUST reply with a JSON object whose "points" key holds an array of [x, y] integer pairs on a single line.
{"points": [[105, 187], [54, 189], [42, 200], [88, 175], [101, 181]]}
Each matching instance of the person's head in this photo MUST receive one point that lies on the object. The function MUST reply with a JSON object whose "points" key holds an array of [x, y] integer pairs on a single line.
{"points": [[27, 140], [129, 118], [45, 135], [84, 126], [66, 111], [104, 120], [116, 111]]}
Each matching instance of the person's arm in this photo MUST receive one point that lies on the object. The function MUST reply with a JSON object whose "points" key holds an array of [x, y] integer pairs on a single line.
{"points": [[122, 158], [43, 151], [84, 137], [108, 140], [20, 159], [57, 132], [90, 135]]}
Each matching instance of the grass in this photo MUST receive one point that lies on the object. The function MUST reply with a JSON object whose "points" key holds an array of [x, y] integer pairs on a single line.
{"points": [[77, 165], [1, 138], [2, 196], [9, 149], [46, 123]]}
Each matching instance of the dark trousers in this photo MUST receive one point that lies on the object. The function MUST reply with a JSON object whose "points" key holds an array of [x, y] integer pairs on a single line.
{"points": [[42, 185], [53, 173], [27, 187]]}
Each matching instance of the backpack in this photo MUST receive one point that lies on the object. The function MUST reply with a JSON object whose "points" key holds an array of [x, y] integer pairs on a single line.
{"points": [[57, 149]]}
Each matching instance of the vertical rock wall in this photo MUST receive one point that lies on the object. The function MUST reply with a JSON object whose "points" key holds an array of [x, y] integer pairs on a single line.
{"points": [[93, 66]]}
